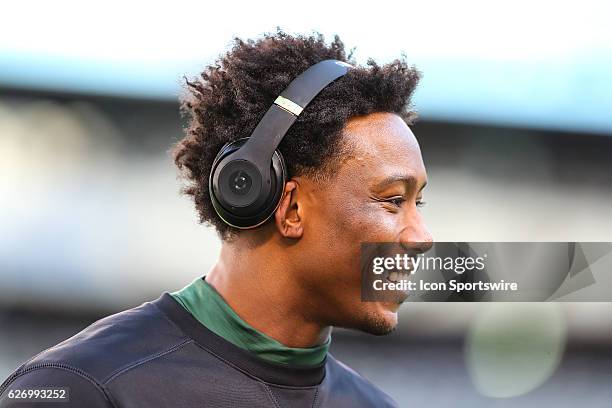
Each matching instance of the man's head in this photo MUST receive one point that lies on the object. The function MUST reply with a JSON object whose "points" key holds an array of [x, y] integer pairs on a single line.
{"points": [[355, 169]]}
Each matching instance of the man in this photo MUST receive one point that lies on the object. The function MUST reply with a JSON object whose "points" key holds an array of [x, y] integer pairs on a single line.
{"points": [[256, 329]]}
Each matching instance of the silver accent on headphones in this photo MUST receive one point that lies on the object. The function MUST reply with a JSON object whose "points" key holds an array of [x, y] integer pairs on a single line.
{"points": [[289, 105]]}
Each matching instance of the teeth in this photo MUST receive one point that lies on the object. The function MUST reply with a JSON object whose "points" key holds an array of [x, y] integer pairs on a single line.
{"points": [[398, 276]]}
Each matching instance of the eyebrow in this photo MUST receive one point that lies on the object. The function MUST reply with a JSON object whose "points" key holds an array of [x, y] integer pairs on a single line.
{"points": [[409, 181]]}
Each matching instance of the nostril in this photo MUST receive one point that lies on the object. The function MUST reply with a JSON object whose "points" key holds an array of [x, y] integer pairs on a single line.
{"points": [[427, 245], [418, 246], [428, 242], [415, 236]]}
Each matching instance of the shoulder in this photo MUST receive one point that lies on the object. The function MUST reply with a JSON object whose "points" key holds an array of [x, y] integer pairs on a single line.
{"points": [[56, 384], [351, 385], [101, 352]]}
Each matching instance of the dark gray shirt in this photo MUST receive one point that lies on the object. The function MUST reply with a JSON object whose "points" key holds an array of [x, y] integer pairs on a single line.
{"points": [[159, 355]]}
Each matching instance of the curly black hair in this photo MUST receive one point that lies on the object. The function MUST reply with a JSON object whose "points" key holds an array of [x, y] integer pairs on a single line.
{"points": [[231, 96]]}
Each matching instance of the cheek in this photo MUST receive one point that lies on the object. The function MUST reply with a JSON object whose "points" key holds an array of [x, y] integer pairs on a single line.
{"points": [[347, 226], [370, 222], [334, 235], [340, 222]]}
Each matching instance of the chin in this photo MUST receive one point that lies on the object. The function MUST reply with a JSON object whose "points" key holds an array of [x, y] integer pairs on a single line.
{"points": [[380, 319]]}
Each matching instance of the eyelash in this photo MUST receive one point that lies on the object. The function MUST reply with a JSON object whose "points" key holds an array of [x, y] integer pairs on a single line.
{"points": [[397, 201]]}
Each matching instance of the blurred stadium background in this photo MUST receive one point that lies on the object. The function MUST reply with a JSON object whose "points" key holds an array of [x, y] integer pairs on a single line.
{"points": [[516, 131]]}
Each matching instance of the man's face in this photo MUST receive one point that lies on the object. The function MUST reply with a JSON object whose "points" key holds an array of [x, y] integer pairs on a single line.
{"points": [[374, 197]]}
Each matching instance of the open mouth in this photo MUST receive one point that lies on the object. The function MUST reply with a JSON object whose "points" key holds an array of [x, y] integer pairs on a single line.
{"points": [[397, 277], [400, 293], [386, 272]]}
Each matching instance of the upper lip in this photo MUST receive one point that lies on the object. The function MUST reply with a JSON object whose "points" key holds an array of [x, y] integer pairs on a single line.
{"points": [[388, 273]]}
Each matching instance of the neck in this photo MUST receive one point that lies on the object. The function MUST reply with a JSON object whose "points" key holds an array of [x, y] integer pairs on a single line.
{"points": [[265, 292]]}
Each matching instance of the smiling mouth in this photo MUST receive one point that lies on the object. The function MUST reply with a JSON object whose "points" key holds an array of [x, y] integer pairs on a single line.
{"points": [[397, 296], [397, 277]]}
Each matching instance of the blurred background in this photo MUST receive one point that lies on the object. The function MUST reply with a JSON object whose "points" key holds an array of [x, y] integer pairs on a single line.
{"points": [[516, 132]]}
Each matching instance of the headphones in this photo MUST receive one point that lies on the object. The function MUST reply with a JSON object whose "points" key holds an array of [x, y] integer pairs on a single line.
{"points": [[248, 175]]}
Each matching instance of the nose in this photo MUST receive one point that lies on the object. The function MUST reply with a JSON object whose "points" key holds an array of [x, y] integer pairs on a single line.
{"points": [[415, 235]]}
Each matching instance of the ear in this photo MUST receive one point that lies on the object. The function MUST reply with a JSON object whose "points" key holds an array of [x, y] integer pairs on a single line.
{"points": [[288, 214]]}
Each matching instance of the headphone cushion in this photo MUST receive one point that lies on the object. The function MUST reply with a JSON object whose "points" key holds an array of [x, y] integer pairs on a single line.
{"points": [[261, 210]]}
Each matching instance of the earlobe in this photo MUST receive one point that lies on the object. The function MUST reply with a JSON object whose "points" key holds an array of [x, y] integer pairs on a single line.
{"points": [[287, 215]]}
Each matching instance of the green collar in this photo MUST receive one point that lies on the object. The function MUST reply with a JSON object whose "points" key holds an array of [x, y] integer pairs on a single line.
{"points": [[209, 308]]}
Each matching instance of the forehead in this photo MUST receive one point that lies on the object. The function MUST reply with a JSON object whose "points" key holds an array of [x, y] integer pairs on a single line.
{"points": [[382, 144]]}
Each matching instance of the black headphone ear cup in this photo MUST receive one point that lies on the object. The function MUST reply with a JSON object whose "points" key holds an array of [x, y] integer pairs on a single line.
{"points": [[260, 211]]}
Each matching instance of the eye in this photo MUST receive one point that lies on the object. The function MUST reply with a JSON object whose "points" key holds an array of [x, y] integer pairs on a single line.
{"points": [[396, 201], [420, 203]]}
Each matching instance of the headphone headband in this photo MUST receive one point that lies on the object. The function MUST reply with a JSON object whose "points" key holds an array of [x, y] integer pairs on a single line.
{"points": [[270, 131]]}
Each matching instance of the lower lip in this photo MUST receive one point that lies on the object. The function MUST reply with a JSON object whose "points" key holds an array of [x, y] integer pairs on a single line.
{"points": [[402, 295]]}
